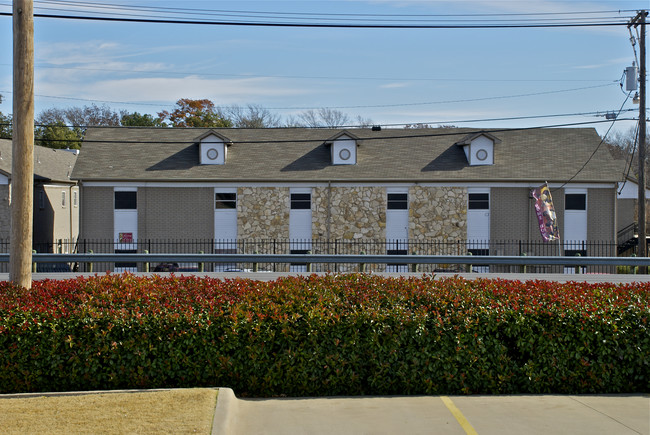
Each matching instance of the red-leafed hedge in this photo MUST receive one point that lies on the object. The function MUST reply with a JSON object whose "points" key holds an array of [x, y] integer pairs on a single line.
{"points": [[332, 335]]}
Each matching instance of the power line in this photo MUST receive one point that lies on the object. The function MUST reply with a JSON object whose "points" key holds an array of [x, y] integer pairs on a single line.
{"points": [[369, 138], [366, 106], [262, 76], [204, 11], [599, 145], [325, 25]]}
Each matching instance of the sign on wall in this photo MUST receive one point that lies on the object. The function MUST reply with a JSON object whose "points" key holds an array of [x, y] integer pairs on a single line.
{"points": [[546, 216]]}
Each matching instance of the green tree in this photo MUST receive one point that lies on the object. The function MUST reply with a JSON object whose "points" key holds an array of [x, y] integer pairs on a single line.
{"points": [[195, 113], [136, 119], [5, 125], [58, 135], [6, 129]]}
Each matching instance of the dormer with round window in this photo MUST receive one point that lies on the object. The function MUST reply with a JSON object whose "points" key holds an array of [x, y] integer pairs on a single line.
{"points": [[479, 148], [213, 148], [343, 148]]}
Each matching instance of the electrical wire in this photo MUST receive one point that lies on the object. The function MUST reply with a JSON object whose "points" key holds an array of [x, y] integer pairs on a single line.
{"points": [[366, 106], [368, 138], [629, 167], [324, 25], [597, 148], [266, 76]]}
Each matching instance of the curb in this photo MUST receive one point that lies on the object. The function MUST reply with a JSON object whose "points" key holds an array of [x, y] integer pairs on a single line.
{"points": [[225, 412]]}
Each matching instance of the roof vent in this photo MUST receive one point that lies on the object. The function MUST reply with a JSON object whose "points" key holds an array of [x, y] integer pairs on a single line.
{"points": [[376, 128]]}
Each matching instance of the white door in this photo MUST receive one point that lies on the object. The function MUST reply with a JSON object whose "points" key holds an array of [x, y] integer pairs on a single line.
{"points": [[225, 227], [300, 223], [575, 224], [125, 226], [397, 228], [478, 225]]}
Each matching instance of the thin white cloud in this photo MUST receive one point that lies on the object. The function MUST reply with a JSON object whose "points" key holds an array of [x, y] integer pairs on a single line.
{"points": [[394, 85], [221, 91]]}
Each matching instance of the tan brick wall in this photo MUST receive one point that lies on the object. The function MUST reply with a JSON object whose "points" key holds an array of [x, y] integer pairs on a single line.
{"points": [[176, 213], [601, 205], [512, 214], [97, 213]]}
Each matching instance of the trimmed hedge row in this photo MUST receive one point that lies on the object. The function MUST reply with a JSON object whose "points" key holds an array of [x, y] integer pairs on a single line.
{"points": [[333, 335]]}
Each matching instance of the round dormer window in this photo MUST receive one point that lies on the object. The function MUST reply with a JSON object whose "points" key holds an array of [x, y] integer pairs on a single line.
{"points": [[213, 154], [344, 154], [481, 155]]}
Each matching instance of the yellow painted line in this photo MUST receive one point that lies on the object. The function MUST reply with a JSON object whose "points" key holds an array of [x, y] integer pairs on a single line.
{"points": [[469, 430]]}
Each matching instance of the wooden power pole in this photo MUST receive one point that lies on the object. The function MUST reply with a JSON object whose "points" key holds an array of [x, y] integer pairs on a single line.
{"points": [[22, 167], [639, 21]]}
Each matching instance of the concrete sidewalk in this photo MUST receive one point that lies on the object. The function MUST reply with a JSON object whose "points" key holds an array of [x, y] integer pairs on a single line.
{"points": [[485, 415]]}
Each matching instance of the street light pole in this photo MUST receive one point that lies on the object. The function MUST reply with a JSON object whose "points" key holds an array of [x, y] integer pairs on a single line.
{"points": [[22, 167]]}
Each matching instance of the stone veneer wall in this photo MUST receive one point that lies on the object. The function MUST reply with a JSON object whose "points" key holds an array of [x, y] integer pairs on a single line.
{"points": [[357, 215], [263, 215], [437, 214]]}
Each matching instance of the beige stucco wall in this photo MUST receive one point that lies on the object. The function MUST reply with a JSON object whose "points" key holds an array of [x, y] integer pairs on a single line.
{"points": [[56, 221], [5, 212]]}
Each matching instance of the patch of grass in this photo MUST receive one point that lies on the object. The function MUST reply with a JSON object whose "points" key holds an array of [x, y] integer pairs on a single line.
{"points": [[187, 411]]}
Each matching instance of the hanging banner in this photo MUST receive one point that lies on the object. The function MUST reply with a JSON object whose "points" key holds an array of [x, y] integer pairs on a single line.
{"points": [[546, 213]]}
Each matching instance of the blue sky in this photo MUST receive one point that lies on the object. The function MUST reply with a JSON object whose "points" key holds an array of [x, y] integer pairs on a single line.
{"points": [[392, 76]]}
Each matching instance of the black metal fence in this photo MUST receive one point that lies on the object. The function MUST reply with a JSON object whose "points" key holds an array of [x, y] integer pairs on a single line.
{"points": [[323, 246]]}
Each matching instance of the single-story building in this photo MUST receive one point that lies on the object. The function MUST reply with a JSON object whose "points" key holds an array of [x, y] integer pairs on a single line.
{"points": [[441, 190], [56, 198]]}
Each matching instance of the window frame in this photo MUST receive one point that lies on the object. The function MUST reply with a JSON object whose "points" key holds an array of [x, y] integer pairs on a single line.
{"points": [[131, 202], [582, 202], [395, 203], [300, 201], [225, 200], [478, 203]]}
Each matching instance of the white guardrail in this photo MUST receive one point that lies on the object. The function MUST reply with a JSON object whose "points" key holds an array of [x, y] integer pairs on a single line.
{"points": [[321, 258]]}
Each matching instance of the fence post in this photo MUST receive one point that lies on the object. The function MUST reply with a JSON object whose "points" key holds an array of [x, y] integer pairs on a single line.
{"points": [[469, 266], [362, 266], [146, 264], [256, 266], [90, 264], [201, 265], [33, 262], [522, 268], [577, 267], [414, 267], [308, 264]]}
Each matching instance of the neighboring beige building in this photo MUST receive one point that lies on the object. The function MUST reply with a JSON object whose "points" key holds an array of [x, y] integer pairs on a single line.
{"points": [[56, 198], [346, 190]]}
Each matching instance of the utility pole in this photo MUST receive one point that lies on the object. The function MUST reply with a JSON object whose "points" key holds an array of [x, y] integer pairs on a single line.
{"points": [[640, 20], [22, 167]]}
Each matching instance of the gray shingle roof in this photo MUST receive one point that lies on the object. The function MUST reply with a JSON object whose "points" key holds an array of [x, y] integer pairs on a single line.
{"points": [[389, 155], [49, 164]]}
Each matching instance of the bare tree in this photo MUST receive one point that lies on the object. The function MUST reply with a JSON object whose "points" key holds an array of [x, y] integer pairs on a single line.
{"points": [[323, 117], [252, 116]]}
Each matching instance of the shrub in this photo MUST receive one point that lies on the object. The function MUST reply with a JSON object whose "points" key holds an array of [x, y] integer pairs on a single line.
{"points": [[331, 335]]}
